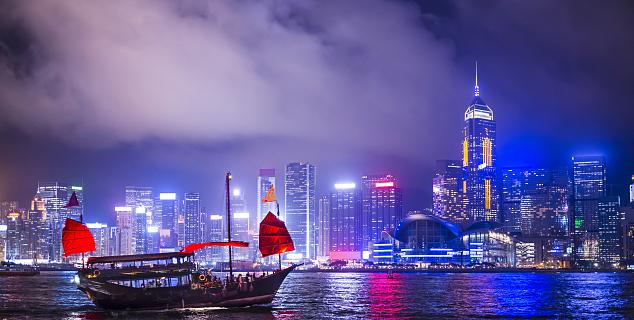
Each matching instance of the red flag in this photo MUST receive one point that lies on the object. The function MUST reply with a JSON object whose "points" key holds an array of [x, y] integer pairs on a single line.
{"points": [[270, 195], [195, 246], [274, 237], [76, 238], [72, 202]]}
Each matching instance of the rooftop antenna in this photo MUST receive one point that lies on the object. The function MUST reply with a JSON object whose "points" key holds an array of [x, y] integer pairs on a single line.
{"points": [[476, 89]]}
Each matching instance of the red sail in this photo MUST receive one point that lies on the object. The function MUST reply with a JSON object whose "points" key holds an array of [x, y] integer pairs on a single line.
{"points": [[72, 202], [195, 246], [274, 237], [76, 238]]}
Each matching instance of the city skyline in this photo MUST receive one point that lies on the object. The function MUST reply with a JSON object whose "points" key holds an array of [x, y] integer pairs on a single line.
{"points": [[543, 90]]}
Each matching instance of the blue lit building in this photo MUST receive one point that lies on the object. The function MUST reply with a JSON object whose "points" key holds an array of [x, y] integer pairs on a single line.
{"points": [[449, 198], [345, 222], [534, 208], [589, 187], [191, 213], [168, 204], [610, 232], [300, 209], [382, 202], [479, 160], [425, 239], [55, 196]]}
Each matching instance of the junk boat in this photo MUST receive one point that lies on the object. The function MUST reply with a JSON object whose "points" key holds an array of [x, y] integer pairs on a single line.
{"points": [[10, 269], [171, 280]]}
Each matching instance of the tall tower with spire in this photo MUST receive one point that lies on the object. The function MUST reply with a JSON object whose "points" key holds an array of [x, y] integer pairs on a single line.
{"points": [[479, 159]]}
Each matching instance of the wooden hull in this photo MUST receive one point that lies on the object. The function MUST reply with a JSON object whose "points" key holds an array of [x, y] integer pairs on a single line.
{"points": [[117, 297]]}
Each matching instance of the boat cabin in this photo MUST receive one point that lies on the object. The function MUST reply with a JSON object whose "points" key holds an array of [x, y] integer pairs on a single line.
{"points": [[154, 270]]}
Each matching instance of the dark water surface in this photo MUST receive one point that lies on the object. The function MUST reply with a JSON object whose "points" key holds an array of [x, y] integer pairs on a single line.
{"points": [[358, 295]]}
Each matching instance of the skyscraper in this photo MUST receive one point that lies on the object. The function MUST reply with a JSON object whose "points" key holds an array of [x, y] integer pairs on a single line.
{"points": [[266, 180], [136, 197], [125, 230], [479, 160], [240, 228], [323, 227], [610, 232], [101, 233], [141, 199], [37, 227], [300, 209], [168, 203], [534, 206], [192, 217], [589, 187], [382, 207], [55, 196], [15, 235], [213, 230], [345, 222], [6, 207], [449, 200], [139, 230]]}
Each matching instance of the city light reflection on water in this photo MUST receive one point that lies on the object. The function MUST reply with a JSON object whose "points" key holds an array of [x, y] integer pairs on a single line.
{"points": [[363, 296]]}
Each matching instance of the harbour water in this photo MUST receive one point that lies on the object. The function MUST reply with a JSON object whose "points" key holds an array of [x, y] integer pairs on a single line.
{"points": [[52, 295]]}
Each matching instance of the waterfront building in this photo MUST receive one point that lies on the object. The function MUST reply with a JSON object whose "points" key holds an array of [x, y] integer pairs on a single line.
{"points": [[168, 204], [213, 230], [191, 213], [153, 237], [55, 196], [610, 232], [300, 209], [125, 230], [16, 240], [534, 208], [37, 229], [114, 245], [425, 239], [449, 197], [101, 233], [382, 207], [141, 199], [589, 187], [139, 230], [136, 197], [323, 228], [240, 228], [345, 222], [487, 244], [525, 254], [6, 207], [266, 180], [479, 160]]}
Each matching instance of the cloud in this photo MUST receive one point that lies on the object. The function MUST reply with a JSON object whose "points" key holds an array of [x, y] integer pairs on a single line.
{"points": [[315, 73]]}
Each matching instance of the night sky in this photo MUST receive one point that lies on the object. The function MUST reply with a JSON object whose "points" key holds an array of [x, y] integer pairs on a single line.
{"points": [[171, 94]]}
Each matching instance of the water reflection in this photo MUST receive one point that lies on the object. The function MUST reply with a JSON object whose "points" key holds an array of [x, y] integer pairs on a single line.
{"points": [[359, 295], [386, 296]]}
